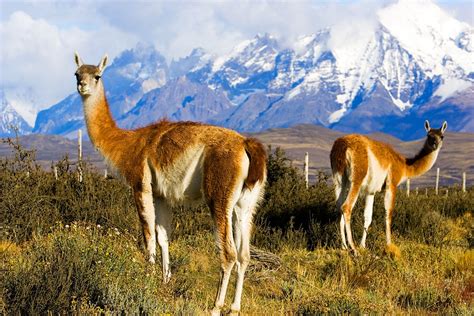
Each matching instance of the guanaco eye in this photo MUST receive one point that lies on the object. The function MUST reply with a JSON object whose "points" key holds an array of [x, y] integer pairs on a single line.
{"points": [[97, 77], [442, 137]]}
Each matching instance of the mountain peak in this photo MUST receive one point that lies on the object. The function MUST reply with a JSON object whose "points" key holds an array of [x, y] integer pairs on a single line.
{"points": [[10, 120], [422, 14], [249, 50], [198, 52], [142, 52], [430, 34], [265, 37]]}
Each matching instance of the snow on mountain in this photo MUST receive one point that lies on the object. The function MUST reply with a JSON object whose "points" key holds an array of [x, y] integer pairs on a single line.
{"points": [[196, 60], [294, 65], [247, 69], [133, 73], [315, 89], [10, 120], [22, 100], [386, 61], [390, 54], [440, 44], [416, 61]]}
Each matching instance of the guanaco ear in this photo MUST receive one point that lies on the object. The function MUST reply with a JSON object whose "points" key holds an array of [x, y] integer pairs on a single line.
{"points": [[102, 63], [444, 127], [78, 60], [427, 126]]}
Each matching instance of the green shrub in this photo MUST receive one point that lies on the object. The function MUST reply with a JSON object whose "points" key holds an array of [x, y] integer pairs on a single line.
{"points": [[32, 200], [427, 298], [289, 206], [78, 265]]}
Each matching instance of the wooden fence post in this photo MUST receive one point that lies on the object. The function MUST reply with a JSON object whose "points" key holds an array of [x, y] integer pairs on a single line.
{"points": [[416, 191], [437, 181], [408, 187], [464, 182], [306, 169], [105, 173], [79, 153], [79, 144], [55, 172]]}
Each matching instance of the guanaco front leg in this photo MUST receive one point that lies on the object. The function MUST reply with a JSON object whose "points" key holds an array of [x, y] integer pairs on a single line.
{"points": [[389, 203], [146, 213]]}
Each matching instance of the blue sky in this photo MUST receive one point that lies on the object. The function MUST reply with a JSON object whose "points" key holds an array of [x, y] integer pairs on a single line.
{"points": [[38, 37]]}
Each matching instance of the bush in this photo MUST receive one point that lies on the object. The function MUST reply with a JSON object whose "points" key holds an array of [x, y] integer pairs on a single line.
{"points": [[78, 266], [289, 206], [33, 201]]}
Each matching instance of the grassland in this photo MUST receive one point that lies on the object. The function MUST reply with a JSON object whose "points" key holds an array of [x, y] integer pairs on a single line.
{"points": [[75, 247]]}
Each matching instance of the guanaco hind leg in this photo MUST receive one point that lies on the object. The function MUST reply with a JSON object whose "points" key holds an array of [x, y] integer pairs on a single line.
{"points": [[164, 218], [222, 195], [242, 220], [368, 211], [389, 203], [228, 252], [347, 212], [340, 186]]}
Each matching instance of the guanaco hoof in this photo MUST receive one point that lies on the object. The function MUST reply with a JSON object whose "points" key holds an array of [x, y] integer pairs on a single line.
{"points": [[393, 251]]}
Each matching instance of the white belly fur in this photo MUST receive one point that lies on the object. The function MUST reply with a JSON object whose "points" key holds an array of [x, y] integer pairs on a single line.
{"points": [[180, 183], [376, 175]]}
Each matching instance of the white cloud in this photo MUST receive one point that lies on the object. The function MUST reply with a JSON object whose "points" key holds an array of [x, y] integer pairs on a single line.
{"points": [[450, 86], [177, 28], [462, 10], [37, 58]]}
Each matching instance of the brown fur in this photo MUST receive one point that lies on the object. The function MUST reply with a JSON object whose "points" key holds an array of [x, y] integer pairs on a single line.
{"points": [[142, 153], [350, 165], [385, 154], [258, 159]]}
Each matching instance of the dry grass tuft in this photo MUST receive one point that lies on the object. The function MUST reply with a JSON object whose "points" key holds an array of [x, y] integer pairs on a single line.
{"points": [[393, 251]]}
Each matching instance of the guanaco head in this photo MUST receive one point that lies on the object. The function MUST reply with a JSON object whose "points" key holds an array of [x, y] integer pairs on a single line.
{"points": [[434, 138], [88, 76]]}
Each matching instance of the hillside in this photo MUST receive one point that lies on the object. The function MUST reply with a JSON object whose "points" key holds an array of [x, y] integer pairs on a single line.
{"points": [[456, 156]]}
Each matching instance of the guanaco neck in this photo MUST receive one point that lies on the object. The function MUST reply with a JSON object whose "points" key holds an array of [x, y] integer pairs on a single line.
{"points": [[422, 162], [103, 131]]}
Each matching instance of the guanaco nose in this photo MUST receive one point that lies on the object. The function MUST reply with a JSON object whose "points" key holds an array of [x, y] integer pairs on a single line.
{"points": [[82, 84]]}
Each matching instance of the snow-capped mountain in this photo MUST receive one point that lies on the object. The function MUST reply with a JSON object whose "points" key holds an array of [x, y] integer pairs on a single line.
{"points": [[196, 60], [438, 42], [10, 119], [416, 63], [179, 100]]}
